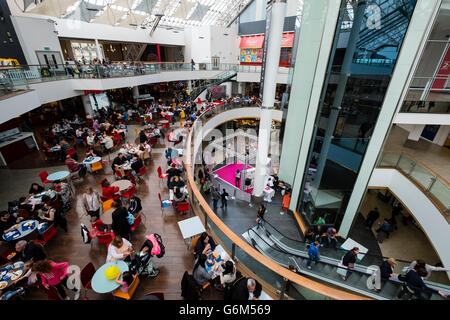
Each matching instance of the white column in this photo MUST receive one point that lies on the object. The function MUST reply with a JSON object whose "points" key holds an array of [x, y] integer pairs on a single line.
{"points": [[87, 106], [135, 91], [97, 48], [413, 45], [228, 89], [270, 81], [416, 132], [442, 135]]}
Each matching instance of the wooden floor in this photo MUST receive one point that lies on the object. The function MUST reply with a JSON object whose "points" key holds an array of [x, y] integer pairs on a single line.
{"points": [[70, 247]]}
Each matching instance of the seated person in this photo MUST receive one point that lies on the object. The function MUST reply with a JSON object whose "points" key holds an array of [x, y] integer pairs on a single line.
{"points": [[73, 165], [173, 182], [173, 171], [46, 218], [135, 205], [10, 292], [228, 275], [27, 252], [199, 273], [246, 289], [125, 283], [25, 204], [181, 182], [35, 189], [119, 249], [7, 222], [136, 165], [108, 142], [90, 153], [178, 196], [109, 192], [118, 161], [205, 244]]}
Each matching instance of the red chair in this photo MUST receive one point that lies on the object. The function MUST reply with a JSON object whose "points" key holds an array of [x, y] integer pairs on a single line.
{"points": [[90, 121], [161, 175], [166, 125], [71, 152], [43, 175], [168, 117], [52, 293], [105, 237], [129, 192], [142, 171], [47, 235], [117, 138], [137, 222], [183, 207], [103, 198], [86, 276], [103, 182], [153, 141], [24, 214]]}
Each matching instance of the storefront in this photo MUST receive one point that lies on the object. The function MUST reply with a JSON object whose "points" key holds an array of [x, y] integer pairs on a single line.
{"points": [[252, 49]]}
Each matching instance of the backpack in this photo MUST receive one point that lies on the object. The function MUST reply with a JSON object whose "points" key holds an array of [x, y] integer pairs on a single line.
{"points": [[85, 234], [161, 245], [130, 219]]}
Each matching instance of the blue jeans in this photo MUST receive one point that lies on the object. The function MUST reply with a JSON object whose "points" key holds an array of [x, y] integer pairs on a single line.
{"points": [[311, 259], [215, 201], [335, 242]]}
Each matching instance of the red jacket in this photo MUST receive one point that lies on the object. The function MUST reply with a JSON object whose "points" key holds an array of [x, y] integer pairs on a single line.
{"points": [[59, 272], [109, 193]]}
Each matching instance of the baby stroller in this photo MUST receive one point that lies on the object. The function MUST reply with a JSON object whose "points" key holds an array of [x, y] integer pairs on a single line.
{"points": [[142, 264]]}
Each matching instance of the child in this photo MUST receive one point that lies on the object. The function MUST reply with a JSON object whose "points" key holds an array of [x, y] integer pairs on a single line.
{"points": [[127, 280]]}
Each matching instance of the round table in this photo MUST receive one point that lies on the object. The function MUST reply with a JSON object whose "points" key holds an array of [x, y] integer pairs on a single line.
{"points": [[22, 234], [92, 160], [122, 184], [106, 217], [164, 121], [100, 283], [36, 199], [60, 175], [55, 149], [10, 268]]}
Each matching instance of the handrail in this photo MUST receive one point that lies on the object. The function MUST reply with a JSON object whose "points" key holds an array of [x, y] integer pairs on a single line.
{"points": [[419, 162], [366, 254], [268, 263]]}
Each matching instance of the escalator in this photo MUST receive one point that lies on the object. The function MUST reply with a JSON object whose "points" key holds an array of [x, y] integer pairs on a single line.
{"points": [[202, 85], [285, 252]]}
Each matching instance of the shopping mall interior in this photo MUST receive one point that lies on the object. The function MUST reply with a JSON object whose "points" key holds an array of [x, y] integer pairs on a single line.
{"points": [[225, 150]]}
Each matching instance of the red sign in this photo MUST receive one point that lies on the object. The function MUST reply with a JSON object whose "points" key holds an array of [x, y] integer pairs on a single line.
{"points": [[442, 74], [252, 42], [87, 92], [287, 40]]}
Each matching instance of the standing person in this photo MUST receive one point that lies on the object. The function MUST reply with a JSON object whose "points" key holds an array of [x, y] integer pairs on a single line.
{"points": [[215, 197], [224, 196], [238, 179], [384, 230], [92, 203], [349, 261], [64, 192], [313, 254], [201, 178], [428, 268], [386, 271], [414, 284], [192, 64], [120, 224], [260, 215], [54, 274], [199, 273], [372, 217]]}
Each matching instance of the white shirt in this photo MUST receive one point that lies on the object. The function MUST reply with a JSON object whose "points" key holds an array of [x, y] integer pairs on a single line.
{"points": [[112, 251], [109, 143]]}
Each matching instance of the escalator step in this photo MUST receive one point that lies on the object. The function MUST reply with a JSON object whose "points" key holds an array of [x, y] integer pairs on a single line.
{"points": [[390, 290]]}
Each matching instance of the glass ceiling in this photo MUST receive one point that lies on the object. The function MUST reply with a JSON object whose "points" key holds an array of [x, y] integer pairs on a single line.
{"points": [[142, 13]]}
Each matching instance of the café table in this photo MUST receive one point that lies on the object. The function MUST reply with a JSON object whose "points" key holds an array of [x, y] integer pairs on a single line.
{"points": [[222, 256], [163, 121], [90, 161], [60, 175], [100, 283], [10, 272], [122, 184], [191, 227], [37, 198], [22, 232]]}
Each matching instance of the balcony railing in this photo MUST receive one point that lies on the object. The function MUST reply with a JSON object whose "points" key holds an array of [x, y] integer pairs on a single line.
{"points": [[15, 78], [431, 183], [248, 258]]}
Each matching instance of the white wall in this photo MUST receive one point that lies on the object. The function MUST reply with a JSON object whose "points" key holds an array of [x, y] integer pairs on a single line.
{"points": [[18, 105], [35, 34], [256, 77], [225, 44], [425, 212], [200, 44]]}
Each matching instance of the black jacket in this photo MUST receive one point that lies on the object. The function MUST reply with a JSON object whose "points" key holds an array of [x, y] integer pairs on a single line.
{"points": [[415, 282], [136, 166], [200, 246], [135, 206], [31, 250], [120, 224], [385, 270], [349, 258], [240, 292]]}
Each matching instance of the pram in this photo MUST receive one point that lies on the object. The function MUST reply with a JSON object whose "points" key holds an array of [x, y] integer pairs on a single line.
{"points": [[142, 264]]}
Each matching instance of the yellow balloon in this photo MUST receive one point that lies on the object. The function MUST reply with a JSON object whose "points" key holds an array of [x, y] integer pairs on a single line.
{"points": [[112, 272]]}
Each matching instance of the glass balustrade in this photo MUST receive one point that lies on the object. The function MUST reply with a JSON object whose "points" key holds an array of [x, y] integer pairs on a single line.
{"points": [[430, 182]]}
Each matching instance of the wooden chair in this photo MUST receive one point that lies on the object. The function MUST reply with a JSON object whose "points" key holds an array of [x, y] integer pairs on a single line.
{"points": [[127, 295], [96, 166], [194, 243], [107, 205]]}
